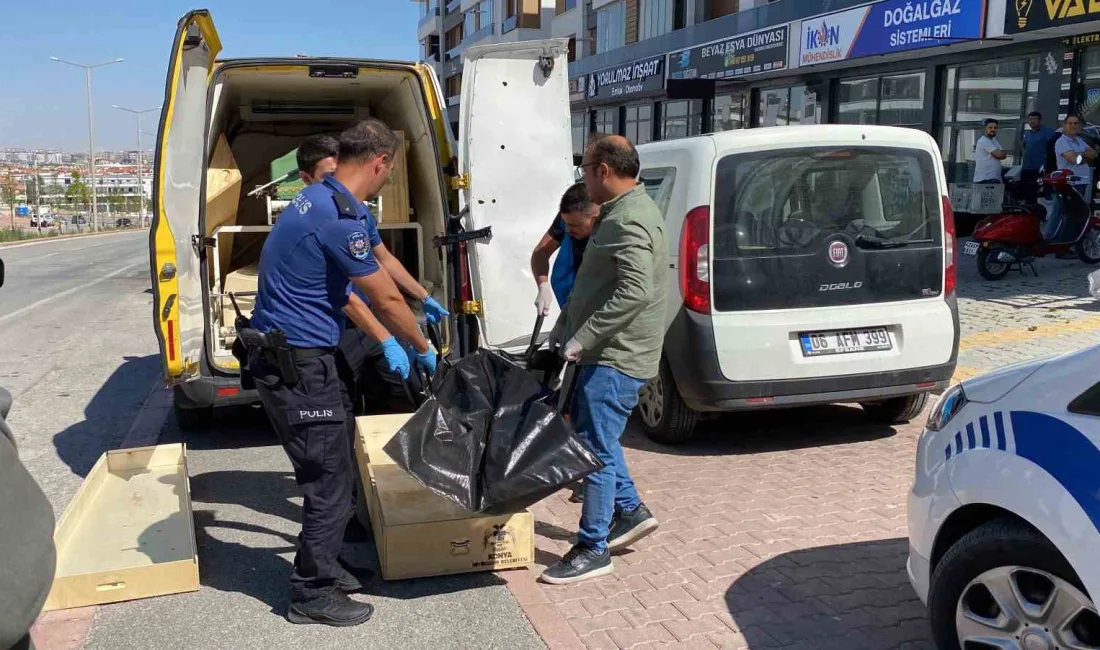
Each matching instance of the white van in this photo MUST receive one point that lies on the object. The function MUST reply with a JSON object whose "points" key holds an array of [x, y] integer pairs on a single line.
{"points": [[224, 124], [815, 264]]}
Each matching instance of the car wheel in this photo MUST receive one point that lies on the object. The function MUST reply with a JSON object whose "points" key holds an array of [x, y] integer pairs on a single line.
{"points": [[989, 269], [897, 410], [664, 416], [1004, 585]]}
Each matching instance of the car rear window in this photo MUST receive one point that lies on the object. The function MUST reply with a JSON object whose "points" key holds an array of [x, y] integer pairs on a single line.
{"points": [[787, 202]]}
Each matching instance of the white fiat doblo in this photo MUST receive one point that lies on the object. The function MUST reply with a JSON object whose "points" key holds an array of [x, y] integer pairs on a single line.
{"points": [[814, 264]]}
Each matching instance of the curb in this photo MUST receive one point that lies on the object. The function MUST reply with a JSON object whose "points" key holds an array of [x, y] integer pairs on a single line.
{"points": [[67, 629], [46, 240], [549, 624]]}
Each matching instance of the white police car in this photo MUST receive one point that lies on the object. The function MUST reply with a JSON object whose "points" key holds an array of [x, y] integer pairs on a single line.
{"points": [[1004, 514]]}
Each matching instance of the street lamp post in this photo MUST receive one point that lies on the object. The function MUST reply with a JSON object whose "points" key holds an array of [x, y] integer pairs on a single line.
{"points": [[91, 128], [141, 185]]}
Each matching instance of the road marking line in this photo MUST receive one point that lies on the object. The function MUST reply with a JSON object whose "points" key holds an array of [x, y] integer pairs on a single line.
{"points": [[68, 292]]}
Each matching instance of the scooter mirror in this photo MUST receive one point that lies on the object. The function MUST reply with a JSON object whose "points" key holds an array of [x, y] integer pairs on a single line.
{"points": [[1, 273]]}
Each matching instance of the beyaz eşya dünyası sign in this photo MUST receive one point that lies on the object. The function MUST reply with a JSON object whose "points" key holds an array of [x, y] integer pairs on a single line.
{"points": [[760, 51], [890, 26]]}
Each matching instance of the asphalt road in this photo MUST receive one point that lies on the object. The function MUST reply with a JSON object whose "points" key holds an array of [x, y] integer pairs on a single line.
{"points": [[78, 353]]}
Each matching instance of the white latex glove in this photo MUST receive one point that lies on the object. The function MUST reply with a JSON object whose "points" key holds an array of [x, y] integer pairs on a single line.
{"points": [[545, 299], [572, 350]]}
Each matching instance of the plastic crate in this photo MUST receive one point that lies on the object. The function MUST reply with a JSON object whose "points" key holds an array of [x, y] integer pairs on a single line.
{"points": [[960, 194], [987, 198], [977, 198]]}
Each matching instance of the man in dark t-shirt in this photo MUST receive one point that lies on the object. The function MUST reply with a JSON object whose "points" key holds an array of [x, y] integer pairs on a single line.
{"points": [[576, 216]]}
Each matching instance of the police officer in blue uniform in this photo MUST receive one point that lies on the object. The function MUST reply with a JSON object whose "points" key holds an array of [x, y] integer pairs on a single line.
{"points": [[318, 244]]}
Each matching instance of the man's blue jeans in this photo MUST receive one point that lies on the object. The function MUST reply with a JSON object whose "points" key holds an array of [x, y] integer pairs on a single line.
{"points": [[603, 399]]}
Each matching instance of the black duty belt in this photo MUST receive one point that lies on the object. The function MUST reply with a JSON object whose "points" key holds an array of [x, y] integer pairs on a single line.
{"points": [[301, 354]]}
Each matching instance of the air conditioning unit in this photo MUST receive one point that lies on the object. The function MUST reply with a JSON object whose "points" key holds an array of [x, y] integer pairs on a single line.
{"points": [[303, 112]]}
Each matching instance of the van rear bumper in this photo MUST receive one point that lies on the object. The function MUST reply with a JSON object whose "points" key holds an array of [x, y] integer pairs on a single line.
{"points": [[692, 358], [203, 393]]}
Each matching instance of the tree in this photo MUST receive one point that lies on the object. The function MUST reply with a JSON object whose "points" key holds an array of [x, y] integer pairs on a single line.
{"points": [[79, 192], [35, 189], [8, 191]]}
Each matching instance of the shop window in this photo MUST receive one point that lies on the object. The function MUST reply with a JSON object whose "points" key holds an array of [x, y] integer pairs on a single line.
{"points": [[681, 119], [858, 102], [896, 100], [1089, 106], [579, 122], [610, 27], [787, 106], [607, 120], [729, 112], [639, 124], [1005, 90]]}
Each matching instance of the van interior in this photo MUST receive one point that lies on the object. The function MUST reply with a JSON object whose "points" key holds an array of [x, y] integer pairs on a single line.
{"points": [[259, 115]]}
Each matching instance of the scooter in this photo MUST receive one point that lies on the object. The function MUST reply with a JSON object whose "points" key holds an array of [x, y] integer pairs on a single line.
{"points": [[1013, 239]]}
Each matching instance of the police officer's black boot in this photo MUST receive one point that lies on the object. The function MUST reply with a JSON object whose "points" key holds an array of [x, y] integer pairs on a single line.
{"points": [[332, 608]]}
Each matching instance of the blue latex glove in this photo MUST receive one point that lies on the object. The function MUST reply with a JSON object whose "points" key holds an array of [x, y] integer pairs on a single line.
{"points": [[426, 360], [396, 357], [434, 311]]}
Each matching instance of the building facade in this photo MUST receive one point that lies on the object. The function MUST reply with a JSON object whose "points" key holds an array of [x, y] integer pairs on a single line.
{"points": [[447, 28], [663, 69]]}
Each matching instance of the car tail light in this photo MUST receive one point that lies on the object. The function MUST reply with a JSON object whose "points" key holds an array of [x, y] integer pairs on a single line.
{"points": [[949, 270], [228, 391], [695, 260]]}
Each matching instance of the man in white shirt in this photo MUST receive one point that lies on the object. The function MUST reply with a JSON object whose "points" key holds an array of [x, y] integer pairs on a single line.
{"points": [[988, 154], [1067, 149]]}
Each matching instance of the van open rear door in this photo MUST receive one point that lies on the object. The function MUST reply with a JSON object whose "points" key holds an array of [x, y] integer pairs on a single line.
{"points": [[516, 153], [174, 239]]}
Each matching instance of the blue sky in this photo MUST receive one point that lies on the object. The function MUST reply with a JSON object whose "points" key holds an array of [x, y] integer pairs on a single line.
{"points": [[42, 103]]}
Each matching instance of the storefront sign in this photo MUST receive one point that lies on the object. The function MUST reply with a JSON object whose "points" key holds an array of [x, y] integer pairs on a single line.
{"points": [[627, 80], [733, 57], [887, 27], [1029, 15], [1083, 39]]}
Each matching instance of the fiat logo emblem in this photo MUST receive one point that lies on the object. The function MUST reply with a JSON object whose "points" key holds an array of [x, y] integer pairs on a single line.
{"points": [[838, 253]]}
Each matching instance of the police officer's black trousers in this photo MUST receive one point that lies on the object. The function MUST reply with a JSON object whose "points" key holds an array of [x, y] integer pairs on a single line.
{"points": [[315, 424], [369, 377]]}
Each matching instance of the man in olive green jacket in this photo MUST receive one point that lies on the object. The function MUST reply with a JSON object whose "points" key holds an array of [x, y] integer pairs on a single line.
{"points": [[613, 328]]}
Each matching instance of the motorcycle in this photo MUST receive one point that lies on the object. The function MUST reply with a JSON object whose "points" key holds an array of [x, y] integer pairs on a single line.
{"points": [[1014, 238]]}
